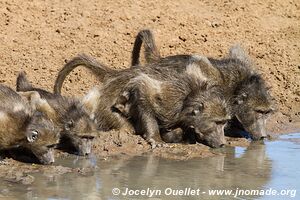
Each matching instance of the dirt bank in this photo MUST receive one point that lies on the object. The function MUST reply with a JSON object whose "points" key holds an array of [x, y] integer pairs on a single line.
{"points": [[39, 36]]}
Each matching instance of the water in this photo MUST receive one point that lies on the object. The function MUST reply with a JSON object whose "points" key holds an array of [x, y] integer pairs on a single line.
{"points": [[269, 167]]}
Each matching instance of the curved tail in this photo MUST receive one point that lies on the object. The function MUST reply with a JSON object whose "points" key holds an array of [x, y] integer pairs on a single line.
{"points": [[22, 83], [151, 52], [100, 70]]}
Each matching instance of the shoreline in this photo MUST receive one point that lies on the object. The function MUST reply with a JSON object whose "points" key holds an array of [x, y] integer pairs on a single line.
{"points": [[115, 145]]}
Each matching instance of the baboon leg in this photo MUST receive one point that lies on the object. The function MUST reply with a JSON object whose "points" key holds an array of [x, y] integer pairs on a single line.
{"points": [[149, 127]]}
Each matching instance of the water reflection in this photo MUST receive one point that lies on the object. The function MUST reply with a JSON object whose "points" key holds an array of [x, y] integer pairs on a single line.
{"points": [[237, 168]]}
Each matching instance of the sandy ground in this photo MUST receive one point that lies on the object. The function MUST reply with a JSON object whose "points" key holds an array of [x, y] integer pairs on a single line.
{"points": [[40, 36]]}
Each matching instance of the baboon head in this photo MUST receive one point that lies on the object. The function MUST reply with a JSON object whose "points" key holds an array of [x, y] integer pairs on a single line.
{"points": [[79, 129], [41, 132], [205, 113], [252, 105], [42, 137]]}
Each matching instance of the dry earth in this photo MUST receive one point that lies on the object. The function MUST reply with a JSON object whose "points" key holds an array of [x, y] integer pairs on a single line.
{"points": [[40, 36]]}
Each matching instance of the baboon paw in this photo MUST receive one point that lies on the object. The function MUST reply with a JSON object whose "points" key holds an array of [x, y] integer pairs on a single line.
{"points": [[166, 145], [162, 144], [155, 144]]}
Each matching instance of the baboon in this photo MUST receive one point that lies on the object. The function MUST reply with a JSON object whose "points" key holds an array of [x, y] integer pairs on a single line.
{"points": [[27, 124], [251, 102], [154, 107], [77, 129], [106, 102]]}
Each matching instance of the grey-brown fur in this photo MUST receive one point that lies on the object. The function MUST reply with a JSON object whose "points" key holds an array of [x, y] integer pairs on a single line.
{"points": [[77, 129], [27, 124], [85, 61], [238, 81], [105, 102], [250, 101], [151, 51], [234, 75], [155, 107]]}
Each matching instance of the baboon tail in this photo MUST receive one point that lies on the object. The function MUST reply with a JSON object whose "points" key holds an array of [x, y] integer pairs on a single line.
{"points": [[22, 83], [151, 52], [100, 70]]}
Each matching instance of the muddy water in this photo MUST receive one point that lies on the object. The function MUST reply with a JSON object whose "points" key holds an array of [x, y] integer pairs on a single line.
{"points": [[264, 167]]}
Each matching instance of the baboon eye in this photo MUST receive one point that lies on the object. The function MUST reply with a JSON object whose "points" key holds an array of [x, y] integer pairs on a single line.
{"points": [[69, 125], [264, 112], [89, 137], [221, 122], [52, 146], [33, 136]]}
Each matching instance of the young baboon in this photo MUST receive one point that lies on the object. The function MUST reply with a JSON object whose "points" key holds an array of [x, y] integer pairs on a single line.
{"points": [[155, 107], [77, 129], [251, 103], [27, 124], [100, 100], [109, 107]]}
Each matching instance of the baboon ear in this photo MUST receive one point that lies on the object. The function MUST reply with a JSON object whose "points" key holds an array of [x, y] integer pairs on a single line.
{"points": [[241, 98], [37, 103], [121, 102], [32, 136], [69, 125], [198, 109], [195, 110], [239, 53]]}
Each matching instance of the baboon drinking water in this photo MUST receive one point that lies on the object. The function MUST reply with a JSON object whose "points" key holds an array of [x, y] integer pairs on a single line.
{"points": [[27, 124], [77, 129], [156, 106], [251, 104], [108, 114], [250, 101]]}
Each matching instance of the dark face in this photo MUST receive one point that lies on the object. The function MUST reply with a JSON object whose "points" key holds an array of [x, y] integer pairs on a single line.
{"points": [[207, 117], [42, 137], [80, 134], [252, 107]]}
